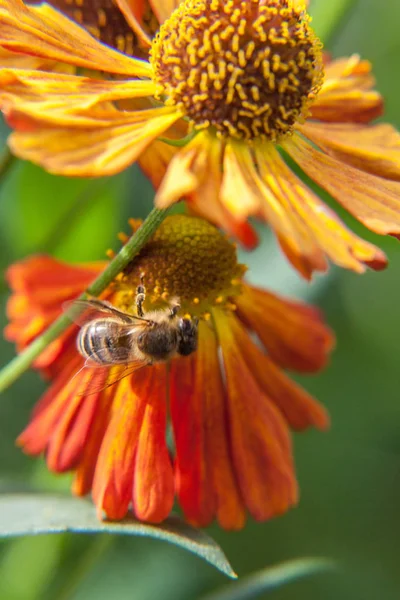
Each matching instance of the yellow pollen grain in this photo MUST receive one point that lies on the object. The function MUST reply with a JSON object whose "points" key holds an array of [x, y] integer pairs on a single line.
{"points": [[224, 63], [78, 16], [120, 43], [123, 237], [101, 17], [95, 31]]}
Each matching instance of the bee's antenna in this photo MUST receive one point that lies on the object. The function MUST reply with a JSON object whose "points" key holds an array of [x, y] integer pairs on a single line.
{"points": [[140, 296]]}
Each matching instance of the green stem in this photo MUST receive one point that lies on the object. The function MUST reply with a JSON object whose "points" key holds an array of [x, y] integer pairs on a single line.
{"points": [[6, 162], [23, 361]]}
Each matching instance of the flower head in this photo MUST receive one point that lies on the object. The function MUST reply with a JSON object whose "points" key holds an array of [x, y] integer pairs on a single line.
{"points": [[246, 83], [231, 404]]}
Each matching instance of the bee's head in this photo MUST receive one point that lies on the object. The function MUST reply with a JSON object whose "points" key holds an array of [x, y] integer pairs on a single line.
{"points": [[187, 336]]}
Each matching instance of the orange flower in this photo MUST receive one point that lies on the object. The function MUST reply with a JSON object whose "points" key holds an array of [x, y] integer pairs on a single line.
{"points": [[230, 402], [244, 79]]}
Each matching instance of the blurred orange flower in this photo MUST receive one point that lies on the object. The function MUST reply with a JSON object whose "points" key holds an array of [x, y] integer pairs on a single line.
{"points": [[231, 404], [247, 81]]}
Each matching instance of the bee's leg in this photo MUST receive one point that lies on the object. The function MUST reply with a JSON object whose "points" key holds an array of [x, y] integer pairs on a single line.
{"points": [[174, 308], [140, 296]]}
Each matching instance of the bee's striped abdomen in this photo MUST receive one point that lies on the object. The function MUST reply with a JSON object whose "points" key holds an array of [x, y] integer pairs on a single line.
{"points": [[95, 341]]}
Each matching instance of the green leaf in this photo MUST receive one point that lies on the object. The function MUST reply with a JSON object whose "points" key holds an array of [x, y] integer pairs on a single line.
{"points": [[32, 514], [271, 578]]}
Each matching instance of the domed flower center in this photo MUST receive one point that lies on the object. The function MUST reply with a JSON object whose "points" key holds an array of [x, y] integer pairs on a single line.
{"points": [[248, 68], [187, 258]]}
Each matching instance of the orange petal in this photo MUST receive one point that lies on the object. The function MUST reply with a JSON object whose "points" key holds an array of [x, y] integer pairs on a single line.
{"points": [[43, 31], [374, 201], [373, 148], [196, 173], [346, 94], [206, 484], [113, 479], [70, 434], [260, 442], [90, 152], [297, 406], [154, 161], [153, 483], [294, 334], [164, 8], [68, 100], [133, 11], [17, 60], [85, 469], [40, 285], [266, 199], [48, 412], [330, 235]]}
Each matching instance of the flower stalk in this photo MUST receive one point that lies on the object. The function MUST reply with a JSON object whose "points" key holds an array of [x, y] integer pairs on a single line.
{"points": [[21, 363]]}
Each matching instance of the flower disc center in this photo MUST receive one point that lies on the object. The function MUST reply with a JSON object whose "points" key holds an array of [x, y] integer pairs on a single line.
{"points": [[187, 258], [247, 68]]}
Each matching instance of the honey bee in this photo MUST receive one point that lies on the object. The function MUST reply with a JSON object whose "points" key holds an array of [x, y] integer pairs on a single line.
{"points": [[110, 337]]}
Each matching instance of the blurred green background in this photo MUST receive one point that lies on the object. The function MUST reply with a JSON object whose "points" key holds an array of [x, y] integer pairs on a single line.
{"points": [[349, 477]]}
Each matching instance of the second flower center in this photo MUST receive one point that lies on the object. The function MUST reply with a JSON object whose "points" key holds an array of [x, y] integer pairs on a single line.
{"points": [[247, 68]]}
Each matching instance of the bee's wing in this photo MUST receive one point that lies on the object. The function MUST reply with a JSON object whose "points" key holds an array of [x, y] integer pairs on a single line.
{"points": [[97, 379], [82, 311]]}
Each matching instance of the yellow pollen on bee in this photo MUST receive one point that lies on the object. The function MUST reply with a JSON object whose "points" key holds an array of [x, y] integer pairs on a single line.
{"points": [[232, 65]]}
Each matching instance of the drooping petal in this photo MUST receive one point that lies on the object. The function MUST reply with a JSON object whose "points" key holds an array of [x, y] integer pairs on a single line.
{"points": [[373, 148], [91, 151], [73, 428], [113, 478], [164, 8], [155, 160], [47, 413], [40, 284], [265, 198], [296, 405], [133, 11], [330, 235], [205, 480], [9, 60], [373, 201], [196, 174], [86, 467], [346, 94], [32, 98], [43, 31], [260, 442], [153, 482], [293, 333]]}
